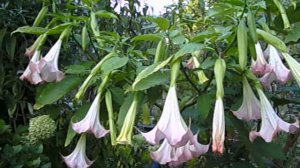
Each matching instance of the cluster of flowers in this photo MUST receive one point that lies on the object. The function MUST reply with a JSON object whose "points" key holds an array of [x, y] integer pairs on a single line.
{"points": [[40, 68], [252, 108]]}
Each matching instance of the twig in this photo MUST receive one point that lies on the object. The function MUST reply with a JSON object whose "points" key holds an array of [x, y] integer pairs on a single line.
{"points": [[189, 80]]}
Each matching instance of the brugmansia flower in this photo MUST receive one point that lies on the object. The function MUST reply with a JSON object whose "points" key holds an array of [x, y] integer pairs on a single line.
{"points": [[166, 154], [91, 121], [49, 64], [127, 128], [170, 125], [78, 158], [294, 66], [260, 65], [250, 108], [218, 134], [279, 72], [31, 73], [271, 124]]}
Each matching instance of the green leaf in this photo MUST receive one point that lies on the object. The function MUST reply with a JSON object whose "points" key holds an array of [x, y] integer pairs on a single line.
{"points": [[79, 115], [152, 80], [2, 34], [105, 14], [188, 48], [294, 35], [204, 35], [11, 47], [77, 69], [59, 28], [204, 103], [54, 91], [161, 22], [149, 70], [147, 37], [31, 30], [113, 63]]}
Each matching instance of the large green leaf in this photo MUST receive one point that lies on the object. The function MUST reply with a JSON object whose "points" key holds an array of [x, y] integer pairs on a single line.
{"points": [[113, 63], [147, 37], [204, 103], [188, 48], [54, 91], [294, 35], [59, 28], [152, 80], [11, 47], [106, 14], [79, 115], [149, 70], [31, 30], [161, 22], [2, 34]]}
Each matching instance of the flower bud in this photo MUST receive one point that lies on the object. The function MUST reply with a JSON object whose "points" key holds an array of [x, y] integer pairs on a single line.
{"points": [[219, 71], [242, 44]]}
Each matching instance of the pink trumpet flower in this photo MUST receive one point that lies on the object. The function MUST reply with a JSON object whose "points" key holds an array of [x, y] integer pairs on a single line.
{"points": [[170, 125], [250, 108], [166, 154], [279, 71], [32, 72], [49, 64], [78, 158], [218, 134], [91, 122], [260, 65], [271, 124]]}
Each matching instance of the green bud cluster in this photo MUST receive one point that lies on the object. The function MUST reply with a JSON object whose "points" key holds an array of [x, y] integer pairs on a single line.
{"points": [[41, 128]]}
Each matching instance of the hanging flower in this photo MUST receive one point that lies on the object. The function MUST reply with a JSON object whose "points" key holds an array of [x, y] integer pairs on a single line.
{"points": [[78, 158], [32, 73], [218, 134], [271, 124], [250, 108], [170, 125], [91, 121], [279, 71], [49, 64], [294, 66], [166, 154], [260, 65]]}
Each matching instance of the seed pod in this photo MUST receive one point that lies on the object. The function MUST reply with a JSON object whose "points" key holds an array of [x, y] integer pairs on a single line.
{"points": [[242, 44], [269, 38], [40, 17], [84, 37], [160, 51], [252, 26]]}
